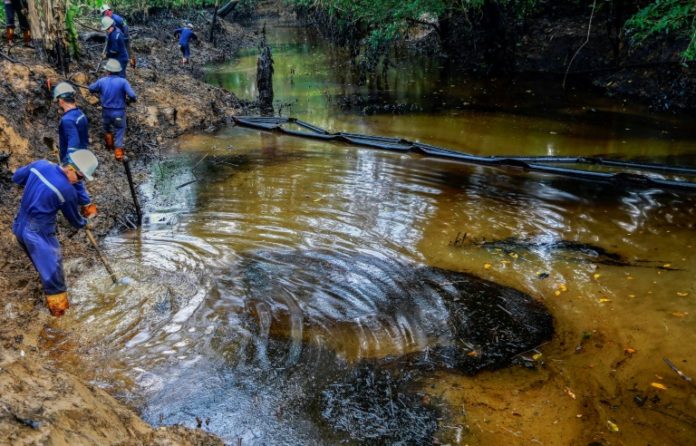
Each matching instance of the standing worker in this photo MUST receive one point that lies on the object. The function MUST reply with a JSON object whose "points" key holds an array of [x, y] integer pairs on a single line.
{"points": [[115, 44], [186, 34], [73, 135], [120, 23], [49, 188], [114, 92], [18, 8]]}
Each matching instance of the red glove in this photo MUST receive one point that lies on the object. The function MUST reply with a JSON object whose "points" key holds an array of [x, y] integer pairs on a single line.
{"points": [[89, 210], [119, 154]]}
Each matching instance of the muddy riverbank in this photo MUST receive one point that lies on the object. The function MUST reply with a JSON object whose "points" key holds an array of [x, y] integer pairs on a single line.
{"points": [[40, 402]]}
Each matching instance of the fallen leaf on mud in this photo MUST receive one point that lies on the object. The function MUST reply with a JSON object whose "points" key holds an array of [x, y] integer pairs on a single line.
{"points": [[658, 386], [612, 426], [472, 354], [569, 392]]}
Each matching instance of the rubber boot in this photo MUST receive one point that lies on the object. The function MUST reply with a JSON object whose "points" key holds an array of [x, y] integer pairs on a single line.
{"points": [[9, 32], [119, 153], [109, 141], [57, 303], [26, 35]]}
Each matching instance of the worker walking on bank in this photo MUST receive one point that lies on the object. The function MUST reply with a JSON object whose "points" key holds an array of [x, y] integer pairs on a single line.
{"points": [[73, 135], [114, 92], [120, 23], [115, 44], [16, 8], [49, 188], [185, 34]]}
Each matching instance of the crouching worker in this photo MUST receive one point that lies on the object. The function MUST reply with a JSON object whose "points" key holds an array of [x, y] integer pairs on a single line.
{"points": [[185, 34], [114, 92], [49, 188]]}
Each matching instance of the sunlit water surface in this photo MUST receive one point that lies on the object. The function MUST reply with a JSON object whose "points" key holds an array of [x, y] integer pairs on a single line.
{"points": [[191, 338]]}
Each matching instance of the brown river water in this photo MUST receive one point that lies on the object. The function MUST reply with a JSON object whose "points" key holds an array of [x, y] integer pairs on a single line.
{"points": [[257, 291]]}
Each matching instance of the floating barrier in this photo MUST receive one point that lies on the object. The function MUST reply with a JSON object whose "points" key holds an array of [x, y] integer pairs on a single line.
{"points": [[542, 164]]}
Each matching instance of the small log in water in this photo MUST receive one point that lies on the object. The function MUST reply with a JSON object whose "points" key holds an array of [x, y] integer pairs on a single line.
{"points": [[264, 80]]}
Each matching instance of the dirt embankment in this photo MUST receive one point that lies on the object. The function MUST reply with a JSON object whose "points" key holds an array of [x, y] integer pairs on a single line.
{"points": [[39, 402]]}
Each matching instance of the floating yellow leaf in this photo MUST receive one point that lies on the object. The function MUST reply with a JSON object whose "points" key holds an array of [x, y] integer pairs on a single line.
{"points": [[537, 356], [680, 314], [487, 266], [557, 293], [563, 287], [632, 296], [682, 294], [658, 386], [569, 392], [514, 255], [667, 265], [603, 300], [630, 350], [505, 262], [612, 426], [596, 276]]}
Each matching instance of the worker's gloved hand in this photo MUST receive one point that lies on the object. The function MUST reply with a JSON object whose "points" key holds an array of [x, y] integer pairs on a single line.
{"points": [[57, 303], [119, 154], [89, 210], [133, 62], [89, 226]]}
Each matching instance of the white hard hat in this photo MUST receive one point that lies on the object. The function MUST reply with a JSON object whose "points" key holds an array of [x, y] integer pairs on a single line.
{"points": [[104, 8], [63, 89], [84, 161], [113, 66], [106, 23], [189, 25]]}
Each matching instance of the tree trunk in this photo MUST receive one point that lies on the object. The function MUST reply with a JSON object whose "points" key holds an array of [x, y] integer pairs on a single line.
{"points": [[47, 22], [264, 80]]}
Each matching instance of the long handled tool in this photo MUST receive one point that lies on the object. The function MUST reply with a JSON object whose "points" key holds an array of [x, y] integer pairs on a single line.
{"points": [[138, 212], [106, 263]]}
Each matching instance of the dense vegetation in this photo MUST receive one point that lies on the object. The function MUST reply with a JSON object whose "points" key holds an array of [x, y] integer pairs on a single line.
{"points": [[382, 21]]}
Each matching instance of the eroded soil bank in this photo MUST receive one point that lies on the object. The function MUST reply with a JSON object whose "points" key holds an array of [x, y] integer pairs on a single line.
{"points": [[39, 402]]}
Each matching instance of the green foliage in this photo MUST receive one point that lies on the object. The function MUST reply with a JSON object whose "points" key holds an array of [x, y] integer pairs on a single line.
{"points": [[677, 17]]}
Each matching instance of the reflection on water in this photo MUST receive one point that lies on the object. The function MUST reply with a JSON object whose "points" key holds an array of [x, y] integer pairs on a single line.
{"points": [[276, 361]]}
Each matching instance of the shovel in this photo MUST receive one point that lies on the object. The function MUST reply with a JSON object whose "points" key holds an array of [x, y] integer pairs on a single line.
{"points": [[103, 259]]}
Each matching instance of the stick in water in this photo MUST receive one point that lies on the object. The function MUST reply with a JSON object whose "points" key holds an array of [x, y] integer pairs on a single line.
{"points": [[92, 240]]}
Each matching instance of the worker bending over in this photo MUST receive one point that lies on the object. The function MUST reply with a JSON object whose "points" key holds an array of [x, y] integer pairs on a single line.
{"points": [[185, 34], [49, 188], [114, 92], [16, 8], [115, 44], [120, 23]]}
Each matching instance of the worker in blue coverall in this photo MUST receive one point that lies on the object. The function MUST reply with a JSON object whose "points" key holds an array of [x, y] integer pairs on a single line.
{"points": [[114, 93], [16, 8], [73, 135], [185, 34], [115, 44], [120, 23], [49, 188]]}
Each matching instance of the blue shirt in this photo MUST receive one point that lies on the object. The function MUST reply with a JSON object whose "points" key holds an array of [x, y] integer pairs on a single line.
{"points": [[112, 90], [185, 35], [73, 133], [116, 46], [120, 24], [47, 190]]}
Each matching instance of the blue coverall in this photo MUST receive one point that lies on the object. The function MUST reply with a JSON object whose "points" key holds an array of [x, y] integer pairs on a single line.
{"points": [[120, 24], [112, 91], [46, 191], [73, 134], [185, 35], [12, 8], [116, 49]]}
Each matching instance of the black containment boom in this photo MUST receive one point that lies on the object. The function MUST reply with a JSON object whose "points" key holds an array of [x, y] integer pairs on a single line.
{"points": [[542, 164]]}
